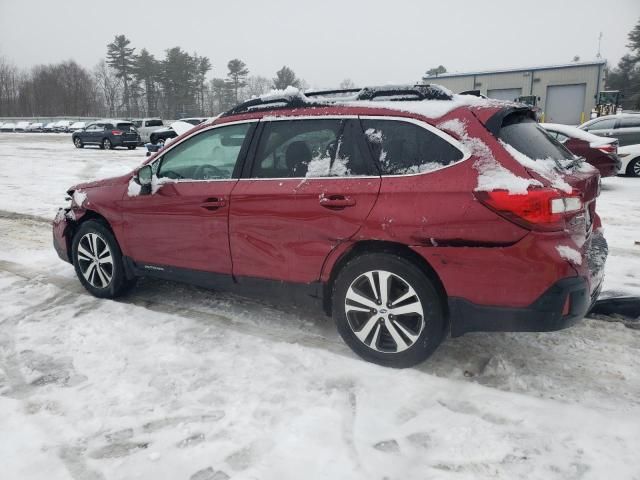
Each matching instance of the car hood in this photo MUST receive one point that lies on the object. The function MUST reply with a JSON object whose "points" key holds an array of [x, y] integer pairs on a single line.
{"points": [[181, 127], [104, 182]]}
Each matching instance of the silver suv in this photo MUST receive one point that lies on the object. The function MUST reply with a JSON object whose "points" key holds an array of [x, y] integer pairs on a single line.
{"points": [[625, 127]]}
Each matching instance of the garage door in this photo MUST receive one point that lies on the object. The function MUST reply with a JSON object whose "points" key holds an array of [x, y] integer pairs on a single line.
{"points": [[565, 104], [504, 93]]}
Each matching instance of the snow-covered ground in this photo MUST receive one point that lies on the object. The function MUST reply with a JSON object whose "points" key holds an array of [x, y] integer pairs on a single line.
{"points": [[175, 382]]}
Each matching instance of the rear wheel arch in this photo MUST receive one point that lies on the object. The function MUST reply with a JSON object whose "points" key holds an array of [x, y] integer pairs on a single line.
{"points": [[389, 248]]}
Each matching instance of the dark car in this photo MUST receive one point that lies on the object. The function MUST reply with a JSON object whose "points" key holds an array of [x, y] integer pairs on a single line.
{"points": [[625, 127], [406, 220], [158, 137], [601, 152], [107, 134]]}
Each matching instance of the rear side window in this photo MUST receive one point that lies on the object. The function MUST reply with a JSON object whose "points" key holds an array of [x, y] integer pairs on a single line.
{"points": [[403, 148], [309, 148], [603, 124], [526, 136], [629, 122], [154, 123]]}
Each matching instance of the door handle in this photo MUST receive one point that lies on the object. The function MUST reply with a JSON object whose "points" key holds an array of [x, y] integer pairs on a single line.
{"points": [[213, 203], [336, 202]]}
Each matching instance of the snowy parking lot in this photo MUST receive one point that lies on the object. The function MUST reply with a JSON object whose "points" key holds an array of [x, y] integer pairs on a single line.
{"points": [[176, 382]]}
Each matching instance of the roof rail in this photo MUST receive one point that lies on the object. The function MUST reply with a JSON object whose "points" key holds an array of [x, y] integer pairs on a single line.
{"points": [[300, 100]]}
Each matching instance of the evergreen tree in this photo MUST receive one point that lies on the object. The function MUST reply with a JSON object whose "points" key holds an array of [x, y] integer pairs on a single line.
{"points": [[285, 77], [121, 58], [147, 72], [237, 76]]}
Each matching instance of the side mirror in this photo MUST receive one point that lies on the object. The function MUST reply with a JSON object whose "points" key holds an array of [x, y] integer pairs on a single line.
{"points": [[144, 177]]}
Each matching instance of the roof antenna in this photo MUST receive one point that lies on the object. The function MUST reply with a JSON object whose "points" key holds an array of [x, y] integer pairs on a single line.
{"points": [[599, 44]]}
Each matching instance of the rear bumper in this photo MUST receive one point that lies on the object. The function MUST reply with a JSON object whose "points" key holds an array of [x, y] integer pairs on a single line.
{"points": [[124, 142], [562, 305]]}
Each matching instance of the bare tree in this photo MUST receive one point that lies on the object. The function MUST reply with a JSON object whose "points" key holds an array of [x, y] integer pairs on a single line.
{"points": [[109, 85]]}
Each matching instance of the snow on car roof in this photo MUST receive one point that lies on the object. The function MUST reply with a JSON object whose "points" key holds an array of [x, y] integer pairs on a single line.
{"points": [[430, 108], [575, 132]]}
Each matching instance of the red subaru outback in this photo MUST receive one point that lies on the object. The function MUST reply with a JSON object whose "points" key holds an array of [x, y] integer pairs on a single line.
{"points": [[407, 213]]}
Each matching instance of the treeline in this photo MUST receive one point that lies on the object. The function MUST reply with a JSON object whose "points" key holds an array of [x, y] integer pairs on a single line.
{"points": [[626, 76], [129, 83]]}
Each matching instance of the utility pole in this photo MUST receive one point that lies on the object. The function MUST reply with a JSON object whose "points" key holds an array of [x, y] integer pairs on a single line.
{"points": [[599, 45]]}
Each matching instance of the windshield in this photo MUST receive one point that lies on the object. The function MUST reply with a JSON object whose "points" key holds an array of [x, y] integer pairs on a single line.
{"points": [[529, 138]]}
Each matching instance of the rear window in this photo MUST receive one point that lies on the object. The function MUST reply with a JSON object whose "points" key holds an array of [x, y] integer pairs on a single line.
{"points": [[529, 138], [126, 127], [154, 123]]}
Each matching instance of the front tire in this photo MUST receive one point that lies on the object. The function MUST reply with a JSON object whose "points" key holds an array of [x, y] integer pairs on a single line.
{"points": [[97, 260], [633, 169], [387, 310], [78, 143], [131, 147]]}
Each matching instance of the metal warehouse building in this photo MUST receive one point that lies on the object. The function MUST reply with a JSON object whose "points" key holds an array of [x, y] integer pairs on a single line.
{"points": [[567, 93]]}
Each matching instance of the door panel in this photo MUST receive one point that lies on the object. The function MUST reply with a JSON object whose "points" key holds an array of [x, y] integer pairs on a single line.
{"points": [[284, 229], [184, 222]]}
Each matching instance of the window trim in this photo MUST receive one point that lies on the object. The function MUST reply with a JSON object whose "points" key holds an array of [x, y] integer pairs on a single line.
{"points": [[237, 169], [466, 154]]}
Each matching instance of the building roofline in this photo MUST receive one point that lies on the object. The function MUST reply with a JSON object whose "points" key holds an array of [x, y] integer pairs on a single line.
{"points": [[516, 70]]}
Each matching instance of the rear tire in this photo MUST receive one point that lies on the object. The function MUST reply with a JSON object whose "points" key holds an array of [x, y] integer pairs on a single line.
{"points": [[131, 147], [106, 144], [398, 328], [97, 260], [633, 169]]}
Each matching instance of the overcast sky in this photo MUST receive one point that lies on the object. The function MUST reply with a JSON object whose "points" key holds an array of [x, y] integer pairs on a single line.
{"points": [[325, 41]]}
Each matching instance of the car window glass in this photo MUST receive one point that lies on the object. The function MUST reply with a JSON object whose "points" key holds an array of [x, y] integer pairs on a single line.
{"points": [[629, 122], [126, 127], [209, 155], [560, 137], [137, 123], [528, 137], [91, 127], [154, 123], [603, 124], [308, 148], [403, 148]]}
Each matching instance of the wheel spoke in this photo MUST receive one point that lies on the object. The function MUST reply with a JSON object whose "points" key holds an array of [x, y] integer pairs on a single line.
{"points": [[364, 332], [94, 243], [400, 343], [376, 334], [353, 308], [105, 260], [385, 280], [87, 273], [102, 275], [410, 293], [411, 336], [414, 307], [372, 284], [357, 298]]}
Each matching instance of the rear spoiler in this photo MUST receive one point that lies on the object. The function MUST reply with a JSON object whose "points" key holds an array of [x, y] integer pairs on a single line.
{"points": [[494, 122]]}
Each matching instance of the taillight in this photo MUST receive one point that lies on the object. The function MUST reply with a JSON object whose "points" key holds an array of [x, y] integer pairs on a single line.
{"points": [[610, 148], [538, 209], [116, 132]]}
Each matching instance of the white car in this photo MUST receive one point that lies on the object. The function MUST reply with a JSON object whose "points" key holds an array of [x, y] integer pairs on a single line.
{"points": [[22, 126], [630, 158], [7, 127], [62, 126], [35, 127], [146, 126], [77, 126], [49, 127]]}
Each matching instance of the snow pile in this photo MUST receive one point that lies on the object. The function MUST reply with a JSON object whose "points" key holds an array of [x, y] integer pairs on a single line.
{"points": [[288, 94], [320, 166], [491, 175], [134, 188], [547, 168], [569, 253]]}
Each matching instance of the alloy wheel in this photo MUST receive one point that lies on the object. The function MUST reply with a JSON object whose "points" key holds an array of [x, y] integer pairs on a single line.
{"points": [[384, 311], [636, 168], [95, 260], [107, 144], [78, 143]]}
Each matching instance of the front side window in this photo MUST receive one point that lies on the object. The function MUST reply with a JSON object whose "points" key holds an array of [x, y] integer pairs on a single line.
{"points": [[309, 148], [403, 148], [210, 155]]}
